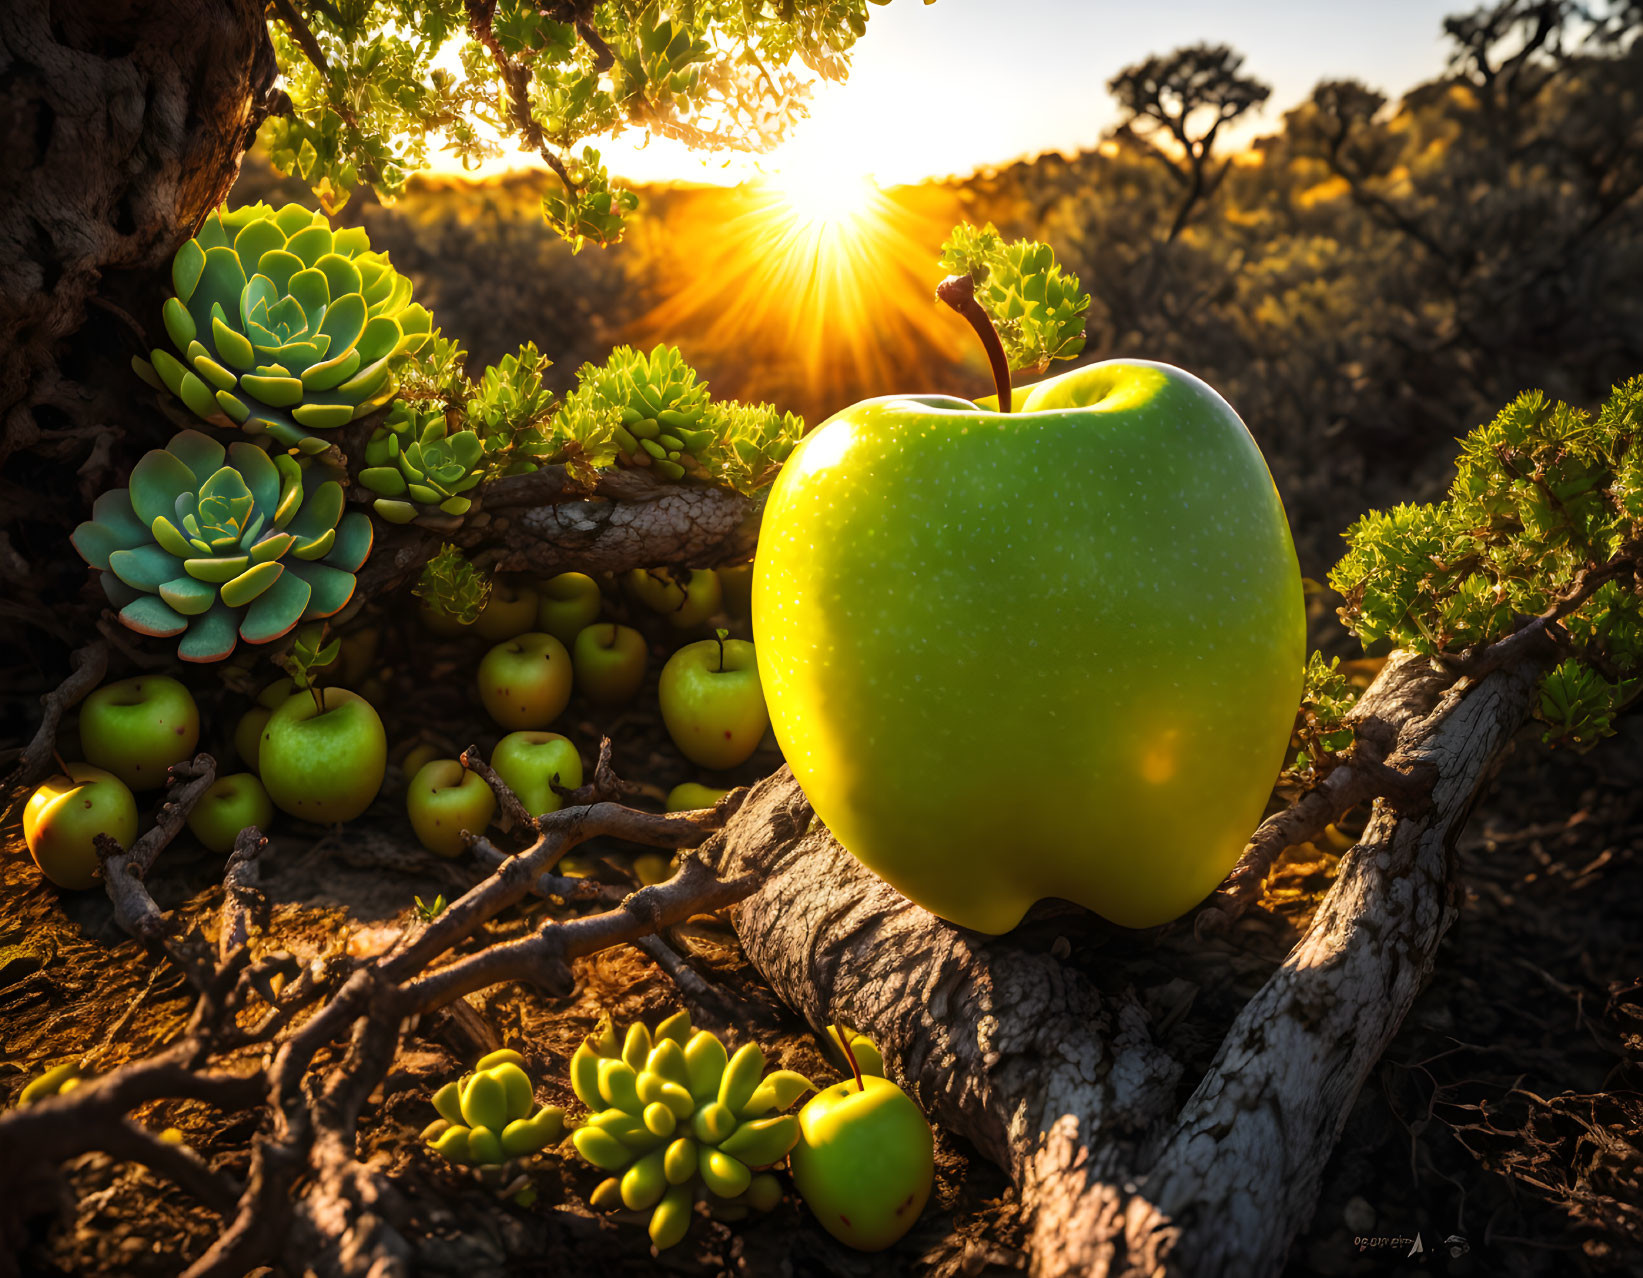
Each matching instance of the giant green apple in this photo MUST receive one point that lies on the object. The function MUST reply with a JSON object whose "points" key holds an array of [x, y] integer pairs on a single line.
{"points": [[1097, 595]]}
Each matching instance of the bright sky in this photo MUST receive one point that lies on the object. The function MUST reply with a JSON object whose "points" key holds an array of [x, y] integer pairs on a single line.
{"points": [[954, 86]]}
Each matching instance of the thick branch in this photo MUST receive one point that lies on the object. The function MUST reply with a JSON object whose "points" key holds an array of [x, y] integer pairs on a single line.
{"points": [[1063, 1085]]}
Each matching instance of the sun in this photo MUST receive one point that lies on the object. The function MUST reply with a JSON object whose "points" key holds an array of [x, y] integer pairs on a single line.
{"points": [[821, 195], [813, 282]]}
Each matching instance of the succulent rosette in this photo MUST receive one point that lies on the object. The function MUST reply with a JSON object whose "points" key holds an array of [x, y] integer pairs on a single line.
{"points": [[676, 1119], [662, 407], [285, 327], [417, 466], [218, 544]]}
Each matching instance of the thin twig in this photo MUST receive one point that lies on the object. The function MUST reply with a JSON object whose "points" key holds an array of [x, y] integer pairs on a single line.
{"points": [[88, 665]]}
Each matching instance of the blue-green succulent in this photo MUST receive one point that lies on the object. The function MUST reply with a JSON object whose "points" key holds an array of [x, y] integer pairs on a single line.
{"points": [[217, 544], [285, 327]]}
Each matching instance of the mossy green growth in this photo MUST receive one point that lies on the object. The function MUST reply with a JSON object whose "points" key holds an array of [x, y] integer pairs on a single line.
{"points": [[216, 544], [451, 584], [675, 1117], [283, 325]]}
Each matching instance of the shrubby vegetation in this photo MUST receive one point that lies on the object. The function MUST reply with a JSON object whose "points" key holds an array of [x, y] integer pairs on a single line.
{"points": [[1361, 283]]}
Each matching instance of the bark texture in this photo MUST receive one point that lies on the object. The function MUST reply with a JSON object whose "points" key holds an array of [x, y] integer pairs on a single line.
{"points": [[125, 123], [1065, 1086]]}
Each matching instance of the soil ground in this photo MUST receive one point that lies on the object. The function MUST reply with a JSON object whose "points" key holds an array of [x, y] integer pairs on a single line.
{"points": [[1506, 1114]]}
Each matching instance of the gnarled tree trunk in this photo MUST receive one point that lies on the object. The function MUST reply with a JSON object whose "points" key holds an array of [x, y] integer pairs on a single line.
{"points": [[1066, 1086], [125, 123]]}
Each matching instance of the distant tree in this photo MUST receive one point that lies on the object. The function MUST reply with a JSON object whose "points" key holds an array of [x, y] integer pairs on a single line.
{"points": [[1188, 96]]}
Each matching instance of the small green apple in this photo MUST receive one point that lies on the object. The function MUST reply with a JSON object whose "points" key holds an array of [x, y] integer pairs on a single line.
{"points": [[325, 764], [687, 600], [137, 728], [690, 797], [62, 818], [443, 800], [525, 681], [248, 735], [511, 610], [232, 803], [532, 763], [359, 654], [736, 582], [610, 663], [864, 1162], [273, 696], [416, 756], [566, 604], [712, 703], [436, 621]]}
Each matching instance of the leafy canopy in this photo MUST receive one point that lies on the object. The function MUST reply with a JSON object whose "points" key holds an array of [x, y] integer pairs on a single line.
{"points": [[371, 82], [1544, 518]]}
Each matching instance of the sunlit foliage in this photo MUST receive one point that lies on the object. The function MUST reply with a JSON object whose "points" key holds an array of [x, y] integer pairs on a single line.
{"points": [[376, 85]]}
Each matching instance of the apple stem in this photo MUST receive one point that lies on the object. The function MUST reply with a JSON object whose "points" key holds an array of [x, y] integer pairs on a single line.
{"points": [[721, 635], [844, 1042], [959, 292]]}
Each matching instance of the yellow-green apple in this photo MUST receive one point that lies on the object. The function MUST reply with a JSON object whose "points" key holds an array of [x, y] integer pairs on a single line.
{"points": [[1097, 593], [137, 728], [232, 803], [690, 796], [359, 654], [736, 582], [566, 604], [443, 800], [711, 701], [687, 600], [610, 663], [416, 756], [248, 735], [63, 817], [510, 611], [323, 755], [441, 623], [532, 763], [525, 681], [864, 1162]]}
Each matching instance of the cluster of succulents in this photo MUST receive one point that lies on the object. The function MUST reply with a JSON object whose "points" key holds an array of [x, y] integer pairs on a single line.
{"points": [[284, 326], [1038, 309], [417, 466], [490, 1115], [59, 1080], [661, 406], [675, 1118], [215, 544], [750, 443]]}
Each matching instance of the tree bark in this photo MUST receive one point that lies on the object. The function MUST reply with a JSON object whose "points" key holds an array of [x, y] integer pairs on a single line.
{"points": [[1064, 1085], [128, 122]]}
